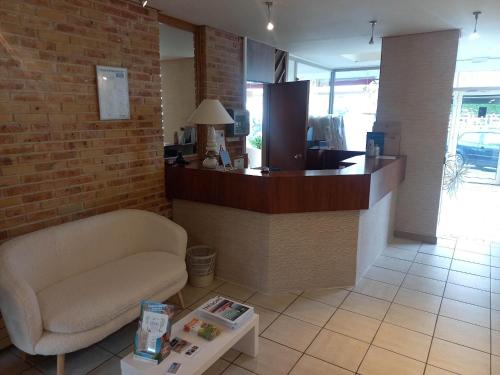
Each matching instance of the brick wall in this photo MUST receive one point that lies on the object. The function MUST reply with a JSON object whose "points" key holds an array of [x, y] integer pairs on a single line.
{"points": [[58, 162], [222, 79], [220, 74]]}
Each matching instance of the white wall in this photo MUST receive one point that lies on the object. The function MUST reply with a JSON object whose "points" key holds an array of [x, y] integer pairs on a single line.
{"points": [[178, 95], [375, 232], [416, 83], [275, 252]]}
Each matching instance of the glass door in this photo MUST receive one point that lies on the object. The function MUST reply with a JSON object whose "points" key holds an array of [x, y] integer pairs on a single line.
{"points": [[474, 136], [471, 187]]}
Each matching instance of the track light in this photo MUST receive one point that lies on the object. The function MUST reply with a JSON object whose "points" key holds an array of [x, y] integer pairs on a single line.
{"points": [[270, 24], [475, 35], [144, 3], [373, 23]]}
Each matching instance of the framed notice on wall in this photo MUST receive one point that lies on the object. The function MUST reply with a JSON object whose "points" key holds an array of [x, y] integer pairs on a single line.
{"points": [[112, 87]]}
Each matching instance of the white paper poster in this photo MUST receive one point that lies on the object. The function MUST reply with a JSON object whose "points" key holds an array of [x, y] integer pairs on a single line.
{"points": [[112, 84]]}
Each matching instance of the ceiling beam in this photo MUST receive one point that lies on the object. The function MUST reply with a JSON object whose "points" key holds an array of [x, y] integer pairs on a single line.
{"points": [[177, 23]]}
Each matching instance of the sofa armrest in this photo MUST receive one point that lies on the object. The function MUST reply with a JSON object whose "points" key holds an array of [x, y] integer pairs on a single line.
{"points": [[176, 236], [20, 310]]}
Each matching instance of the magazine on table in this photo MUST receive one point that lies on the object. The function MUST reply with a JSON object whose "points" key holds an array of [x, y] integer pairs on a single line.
{"points": [[226, 311]]}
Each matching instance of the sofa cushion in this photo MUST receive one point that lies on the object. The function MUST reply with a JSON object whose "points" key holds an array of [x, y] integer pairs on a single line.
{"points": [[92, 298]]}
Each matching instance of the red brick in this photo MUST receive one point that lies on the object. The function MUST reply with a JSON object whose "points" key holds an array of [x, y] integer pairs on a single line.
{"points": [[53, 84], [53, 165]]}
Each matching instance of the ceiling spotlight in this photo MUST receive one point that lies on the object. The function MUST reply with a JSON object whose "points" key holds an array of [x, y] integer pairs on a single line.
{"points": [[144, 3], [475, 35], [373, 23], [270, 24]]}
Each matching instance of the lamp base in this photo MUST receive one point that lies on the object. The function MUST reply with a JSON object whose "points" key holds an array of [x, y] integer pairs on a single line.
{"points": [[210, 162]]}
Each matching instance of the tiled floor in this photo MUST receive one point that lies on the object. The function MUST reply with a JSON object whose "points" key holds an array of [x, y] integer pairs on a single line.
{"points": [[421, 309]]}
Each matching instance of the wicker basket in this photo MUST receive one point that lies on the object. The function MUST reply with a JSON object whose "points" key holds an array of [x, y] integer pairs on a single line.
{"points": [[201, 265]]}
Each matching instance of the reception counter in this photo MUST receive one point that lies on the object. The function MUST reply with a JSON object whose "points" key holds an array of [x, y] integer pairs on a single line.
{"points": [[289, 230]]}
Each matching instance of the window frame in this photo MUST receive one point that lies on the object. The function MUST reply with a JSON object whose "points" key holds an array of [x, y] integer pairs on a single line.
{"points": [[293, 62]]}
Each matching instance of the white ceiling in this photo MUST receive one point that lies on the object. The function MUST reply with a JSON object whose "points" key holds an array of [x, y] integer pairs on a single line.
{"points": [[175, 43], [323, 30]]}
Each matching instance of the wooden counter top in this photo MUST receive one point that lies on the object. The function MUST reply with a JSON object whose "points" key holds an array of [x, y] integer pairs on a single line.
{"points": [[359, 186]]}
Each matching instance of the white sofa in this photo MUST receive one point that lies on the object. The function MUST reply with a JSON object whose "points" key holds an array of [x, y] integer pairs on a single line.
{"points": [[69, 286]]}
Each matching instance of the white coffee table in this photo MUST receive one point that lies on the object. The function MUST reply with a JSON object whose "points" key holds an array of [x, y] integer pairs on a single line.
{"points": [[244, 339]]}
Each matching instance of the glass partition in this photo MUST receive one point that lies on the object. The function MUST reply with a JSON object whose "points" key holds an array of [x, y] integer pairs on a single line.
{"points": [[352, 94], [355, 99], [320, 88]]}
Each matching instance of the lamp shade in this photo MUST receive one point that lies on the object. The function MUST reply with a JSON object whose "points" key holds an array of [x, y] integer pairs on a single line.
{"points": [[210, 112]]}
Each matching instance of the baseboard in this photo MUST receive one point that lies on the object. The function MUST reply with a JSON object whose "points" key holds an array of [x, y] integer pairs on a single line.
{"points": [[416, 237]]}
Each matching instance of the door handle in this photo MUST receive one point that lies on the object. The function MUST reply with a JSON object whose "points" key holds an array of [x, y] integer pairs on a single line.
{"points": [[297, 156]]}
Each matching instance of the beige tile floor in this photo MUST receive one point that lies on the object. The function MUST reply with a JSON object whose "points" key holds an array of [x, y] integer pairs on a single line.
{"points": [[421, 309]]}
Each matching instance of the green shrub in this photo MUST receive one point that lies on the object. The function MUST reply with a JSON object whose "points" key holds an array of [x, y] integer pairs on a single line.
{"points": [[256, 142]]}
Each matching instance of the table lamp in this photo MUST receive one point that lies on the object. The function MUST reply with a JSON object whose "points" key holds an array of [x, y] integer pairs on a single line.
{"points": [[210, 112]]}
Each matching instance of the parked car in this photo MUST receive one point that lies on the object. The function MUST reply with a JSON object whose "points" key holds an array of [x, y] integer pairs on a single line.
{"points": [[479, 149]]}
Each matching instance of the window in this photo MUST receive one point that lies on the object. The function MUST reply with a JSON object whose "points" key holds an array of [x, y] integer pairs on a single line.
{"points": [[470, 138], [290, 74], [355, 99], [477, 79], [492, 139], [319, 93], [480, 105], [255, 107], [353, 95]]}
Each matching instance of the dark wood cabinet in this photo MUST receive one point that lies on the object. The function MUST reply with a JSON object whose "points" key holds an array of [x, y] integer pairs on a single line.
{"points": [[356, 187]]}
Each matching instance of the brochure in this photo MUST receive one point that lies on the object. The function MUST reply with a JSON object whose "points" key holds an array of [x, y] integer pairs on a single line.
{"points": [[173, 368], [378, 139], [181, 346], [152, 338]]}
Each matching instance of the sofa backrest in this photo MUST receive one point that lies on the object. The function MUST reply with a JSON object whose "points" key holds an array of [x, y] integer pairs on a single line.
{"points": [[50, 255]]}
